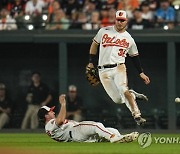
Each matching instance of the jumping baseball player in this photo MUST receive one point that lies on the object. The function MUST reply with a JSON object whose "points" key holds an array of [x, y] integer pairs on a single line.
{"points": [[63, 130], [114, 44]]}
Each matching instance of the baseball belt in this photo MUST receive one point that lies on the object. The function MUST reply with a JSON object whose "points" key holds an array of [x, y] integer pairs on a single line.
{"points": [[109, 66]]}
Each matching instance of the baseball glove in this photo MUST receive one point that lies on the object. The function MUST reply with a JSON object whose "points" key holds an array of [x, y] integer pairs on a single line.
{"points": [[92, 76]]}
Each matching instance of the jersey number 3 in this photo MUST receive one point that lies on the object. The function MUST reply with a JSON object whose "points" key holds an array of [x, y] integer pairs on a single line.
{"points": [[121, 52]]}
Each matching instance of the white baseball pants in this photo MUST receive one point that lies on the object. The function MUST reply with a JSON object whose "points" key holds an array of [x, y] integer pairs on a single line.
{"points": [[85, 129], [114, 81]]}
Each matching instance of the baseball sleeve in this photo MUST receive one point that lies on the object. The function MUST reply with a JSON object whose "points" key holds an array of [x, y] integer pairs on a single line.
{"points": [[51, 126], [97, 38], [133, 51]]}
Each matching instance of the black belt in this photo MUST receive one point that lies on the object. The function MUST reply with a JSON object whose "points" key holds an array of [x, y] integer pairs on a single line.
{"points": [[109, 66], [70, 134]]}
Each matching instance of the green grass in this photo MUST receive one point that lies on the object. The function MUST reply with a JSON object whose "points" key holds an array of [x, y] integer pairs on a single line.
{"points": [[42, 144]]}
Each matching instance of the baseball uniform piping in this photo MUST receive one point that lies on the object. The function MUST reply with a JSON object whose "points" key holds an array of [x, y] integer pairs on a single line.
{"points": [[95, 126]]}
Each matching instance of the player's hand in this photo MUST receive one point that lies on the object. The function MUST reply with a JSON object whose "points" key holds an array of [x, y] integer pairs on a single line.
{"points": [[62, 99], [145, 78], [90, 65]]}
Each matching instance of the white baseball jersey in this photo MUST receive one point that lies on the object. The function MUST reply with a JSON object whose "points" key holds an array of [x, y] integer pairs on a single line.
{"points": [[60, 133], [114, 46]]}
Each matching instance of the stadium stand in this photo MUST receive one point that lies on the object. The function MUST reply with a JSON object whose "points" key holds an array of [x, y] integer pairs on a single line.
{"points": [[79, 14]]}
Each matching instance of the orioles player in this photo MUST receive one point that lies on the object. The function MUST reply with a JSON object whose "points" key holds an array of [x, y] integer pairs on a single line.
{"points": [[115, 43], [63, 130]]}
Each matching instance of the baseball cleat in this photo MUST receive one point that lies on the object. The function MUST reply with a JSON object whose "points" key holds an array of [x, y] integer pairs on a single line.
{"points": [[140, 121], [129, 137], [114, 138], [125, 138], [139, 95]]}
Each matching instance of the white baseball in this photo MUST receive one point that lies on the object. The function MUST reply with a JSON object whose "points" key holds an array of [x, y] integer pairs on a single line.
{"points": [[177, 100]]}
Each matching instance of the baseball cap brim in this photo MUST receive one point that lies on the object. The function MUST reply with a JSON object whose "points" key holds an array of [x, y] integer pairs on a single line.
{"points": [[52, 108], [43, 111]]}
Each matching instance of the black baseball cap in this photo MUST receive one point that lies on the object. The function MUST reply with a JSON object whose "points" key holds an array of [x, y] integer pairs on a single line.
{"points": [[43, 111]]}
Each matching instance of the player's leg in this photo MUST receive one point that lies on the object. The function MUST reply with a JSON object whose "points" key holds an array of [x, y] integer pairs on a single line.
{"points": [[115, 92], [84, 129], [127, 137], [138, 119], [114, 82], [131, 103], [120, 79], [111, 89], [133, 107], [113, 130], [138, 96]]}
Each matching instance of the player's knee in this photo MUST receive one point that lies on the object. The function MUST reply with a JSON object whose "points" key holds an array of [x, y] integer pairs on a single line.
{"points": [[124, 89], [127, 94], [117, 100], [99, 124]]}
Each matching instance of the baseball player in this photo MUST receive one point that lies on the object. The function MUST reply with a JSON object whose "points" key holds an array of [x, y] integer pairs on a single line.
{"points": [[63, 130], [114, 44]]}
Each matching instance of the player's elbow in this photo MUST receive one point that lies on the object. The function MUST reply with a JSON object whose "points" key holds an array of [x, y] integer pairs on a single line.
{"points": [[60, 120]]}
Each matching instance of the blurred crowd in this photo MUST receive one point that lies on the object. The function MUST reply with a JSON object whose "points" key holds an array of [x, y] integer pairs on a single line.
{"points": [[38, 94], [87, 14]]}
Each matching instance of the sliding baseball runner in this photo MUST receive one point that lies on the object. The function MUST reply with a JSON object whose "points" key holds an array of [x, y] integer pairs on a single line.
{"points": [[63, 130]]}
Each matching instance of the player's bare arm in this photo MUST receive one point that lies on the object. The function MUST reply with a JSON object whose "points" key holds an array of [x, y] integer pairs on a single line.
{"points": [[137, 63], [62, 114], [92, 53]]}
